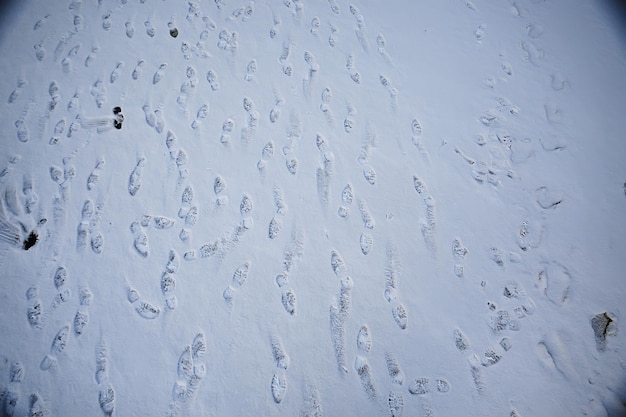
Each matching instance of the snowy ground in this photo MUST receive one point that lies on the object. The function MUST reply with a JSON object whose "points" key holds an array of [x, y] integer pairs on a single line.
{"points": [[312, 208]]}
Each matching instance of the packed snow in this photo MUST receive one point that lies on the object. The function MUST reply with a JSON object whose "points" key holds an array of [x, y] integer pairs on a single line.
{"points": [[250, 207]]}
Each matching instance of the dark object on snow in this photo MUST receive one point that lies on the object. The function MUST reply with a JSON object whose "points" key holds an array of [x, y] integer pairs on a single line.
{"points": [[174, 32], [31, 240], [603, 325], [119, 117]]}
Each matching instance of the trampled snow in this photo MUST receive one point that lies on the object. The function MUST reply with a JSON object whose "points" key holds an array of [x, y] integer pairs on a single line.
{"points": [[312, 208]]}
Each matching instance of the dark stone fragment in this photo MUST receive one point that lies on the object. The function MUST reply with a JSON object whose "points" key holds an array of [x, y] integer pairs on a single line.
{"points": [[31, 240]]}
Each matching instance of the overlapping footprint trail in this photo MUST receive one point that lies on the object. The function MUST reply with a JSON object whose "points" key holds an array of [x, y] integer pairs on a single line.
{"points": [[233, 162]]}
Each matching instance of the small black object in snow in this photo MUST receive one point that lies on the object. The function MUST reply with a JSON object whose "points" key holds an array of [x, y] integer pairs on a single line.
{"points": [[31, 240], [119, 117]]}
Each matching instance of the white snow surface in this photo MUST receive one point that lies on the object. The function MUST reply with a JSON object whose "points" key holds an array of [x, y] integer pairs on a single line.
{"points": [[313, 208]]}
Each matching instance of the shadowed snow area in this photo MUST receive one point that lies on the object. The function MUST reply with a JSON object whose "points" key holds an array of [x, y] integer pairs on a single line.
{"points": [[238, 207]]}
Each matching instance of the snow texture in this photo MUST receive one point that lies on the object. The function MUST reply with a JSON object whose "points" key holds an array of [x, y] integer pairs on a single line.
{"points": [[280, 207]]}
